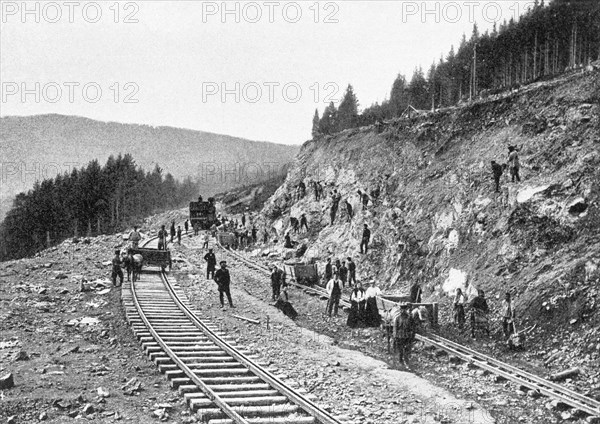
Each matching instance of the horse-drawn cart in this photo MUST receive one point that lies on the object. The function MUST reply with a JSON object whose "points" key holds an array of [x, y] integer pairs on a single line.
{"points": [[154, 257]]}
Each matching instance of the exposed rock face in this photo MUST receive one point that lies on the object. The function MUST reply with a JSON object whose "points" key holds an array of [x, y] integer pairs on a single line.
{"points": [[437, 209]]}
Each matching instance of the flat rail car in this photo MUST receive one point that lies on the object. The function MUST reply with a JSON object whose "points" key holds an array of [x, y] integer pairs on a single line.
{"points": [[154, 257]]}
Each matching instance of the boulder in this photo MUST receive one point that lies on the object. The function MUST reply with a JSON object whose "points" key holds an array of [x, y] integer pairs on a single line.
{"points": [[7, 381]]}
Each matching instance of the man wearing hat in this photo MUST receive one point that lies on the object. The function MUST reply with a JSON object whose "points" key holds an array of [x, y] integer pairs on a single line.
{"points": [[513, 163], [211, 264], [275, 282], [116, 269], [223, 279], [404, 334]]}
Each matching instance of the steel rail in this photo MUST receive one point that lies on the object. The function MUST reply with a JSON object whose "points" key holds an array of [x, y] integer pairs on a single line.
{"points": [[318, 291], [510, 372], [292, 395], [551, 389], [237, 418], [307, 405]]}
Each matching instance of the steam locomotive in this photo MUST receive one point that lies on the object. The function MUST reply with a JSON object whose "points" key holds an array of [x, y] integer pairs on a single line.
{"points": [[203, 214]]}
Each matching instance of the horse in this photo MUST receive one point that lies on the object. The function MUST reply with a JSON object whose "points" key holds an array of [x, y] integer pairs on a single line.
{"points": [[421, 317], [388, 318], [138, 262]]}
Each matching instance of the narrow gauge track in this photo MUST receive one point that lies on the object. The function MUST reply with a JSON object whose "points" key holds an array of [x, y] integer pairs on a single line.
{"points": [[531, 381], [221, 381]]}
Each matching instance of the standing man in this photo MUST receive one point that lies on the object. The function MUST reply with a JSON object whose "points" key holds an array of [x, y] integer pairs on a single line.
{"points": [[343, 273], [254, 234], [116, 269], [303, 222], [179, 235], [328, 270], [497, 171], [365, 200], [135, 237], [206, 240], [348, 210], [173, 232], [275, 282], [334, 288], [508, 316], [404, 334], [459, 308], [211, 264], [186, 225], [162, 238], [366, 237], [513, 164], [334, 205], [243, 220], [351, 272], [223, 280]]}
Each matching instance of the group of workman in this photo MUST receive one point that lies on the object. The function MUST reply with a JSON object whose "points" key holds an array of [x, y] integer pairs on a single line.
{"points": [[163, 234], [479, 309]]}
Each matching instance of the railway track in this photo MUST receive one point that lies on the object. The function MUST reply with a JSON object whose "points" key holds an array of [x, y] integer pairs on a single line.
{"points": [[525, 379], [222, 382]]}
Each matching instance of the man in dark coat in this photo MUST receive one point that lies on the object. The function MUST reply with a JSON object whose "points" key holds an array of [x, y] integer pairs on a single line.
{"points": [[211, 264], [343, 271], [303, 223], [348, 210], [223, 280], [288, 241], [328, 270], [366, 237], [497, 171], [162, 238], [173, 232], [513, 163], [116, 269], [351, 271], [275, 282], [404, 334]]}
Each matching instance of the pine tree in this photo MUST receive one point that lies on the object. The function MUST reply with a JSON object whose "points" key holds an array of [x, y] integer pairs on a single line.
{"points": [[348, 110], [329, 121], [315, 125], [417, 90], [398, 95]]}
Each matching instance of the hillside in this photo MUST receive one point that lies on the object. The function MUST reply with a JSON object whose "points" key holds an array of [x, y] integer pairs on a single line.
{"points": [[438, 215], [38, 147]]}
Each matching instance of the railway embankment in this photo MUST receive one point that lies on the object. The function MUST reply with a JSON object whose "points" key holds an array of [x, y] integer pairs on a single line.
{"points": [[438, 221]]}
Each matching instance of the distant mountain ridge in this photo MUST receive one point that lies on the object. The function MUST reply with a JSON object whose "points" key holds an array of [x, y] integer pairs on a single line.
{"points": [[40, 146]]}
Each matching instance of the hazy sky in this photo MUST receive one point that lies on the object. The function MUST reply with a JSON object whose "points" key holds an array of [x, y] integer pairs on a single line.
{"points": [[251, 69]]}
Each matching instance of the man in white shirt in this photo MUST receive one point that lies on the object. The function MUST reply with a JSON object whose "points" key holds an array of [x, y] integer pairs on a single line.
{"points": [[135, 237], [206, 239]]}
